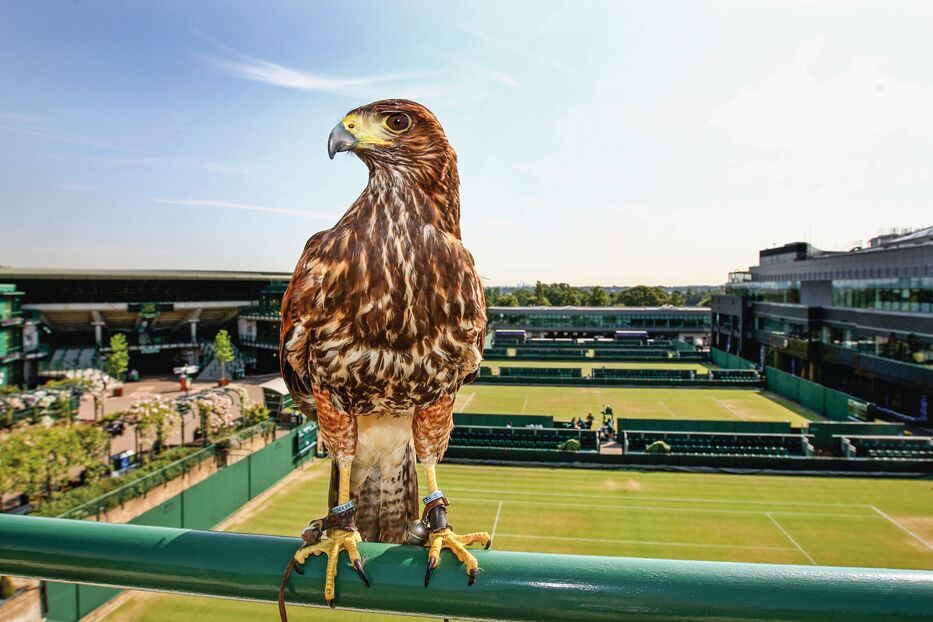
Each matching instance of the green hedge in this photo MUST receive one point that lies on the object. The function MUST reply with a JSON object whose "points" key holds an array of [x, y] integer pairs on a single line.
{"points": [[167, 466]]}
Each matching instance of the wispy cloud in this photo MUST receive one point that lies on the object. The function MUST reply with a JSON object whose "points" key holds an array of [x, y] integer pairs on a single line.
{"points": [[43, 127], [246, 67], [246, 207]]}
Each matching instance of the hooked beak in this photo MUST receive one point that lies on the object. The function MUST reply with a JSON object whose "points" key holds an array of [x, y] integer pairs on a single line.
{"points": [[340, 140]]}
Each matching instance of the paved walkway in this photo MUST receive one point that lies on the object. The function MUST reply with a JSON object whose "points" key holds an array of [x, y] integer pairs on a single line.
{"points": [[166, 387]]}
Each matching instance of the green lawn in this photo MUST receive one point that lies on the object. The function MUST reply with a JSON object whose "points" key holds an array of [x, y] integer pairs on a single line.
{"points": [[744, 518], [587, 367], [647, 403]]}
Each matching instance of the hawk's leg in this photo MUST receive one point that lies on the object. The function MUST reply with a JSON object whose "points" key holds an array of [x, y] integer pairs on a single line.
{"points": [[337, 532], [431, 432]]}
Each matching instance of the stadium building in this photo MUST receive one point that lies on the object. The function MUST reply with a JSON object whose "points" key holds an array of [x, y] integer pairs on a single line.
{"points": [[859, 321], [687, 324], [169, 317]]}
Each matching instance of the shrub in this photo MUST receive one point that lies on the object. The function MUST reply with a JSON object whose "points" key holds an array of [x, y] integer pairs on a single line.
{"points": [[251, 415], [571, 444], [75, 497], [7, 588]]}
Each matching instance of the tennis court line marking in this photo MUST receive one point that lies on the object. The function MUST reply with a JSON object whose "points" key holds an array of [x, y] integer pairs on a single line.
{"points": [[909, 532], [525, 404], [670, 509], [667, 408], [495, 523], [648, 498], [729, 410], [790, 537], [466, 402], [650, 542]]}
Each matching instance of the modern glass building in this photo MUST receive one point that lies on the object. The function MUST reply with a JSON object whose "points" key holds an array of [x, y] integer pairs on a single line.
{"points": [[169, 317], [11, 335], [860, 321], [258, 326], [689, 324]]}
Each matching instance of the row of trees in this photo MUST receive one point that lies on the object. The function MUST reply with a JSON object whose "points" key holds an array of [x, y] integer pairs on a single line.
{"points": [[39, 461], [117, 362], [565, 295], [155, 419]]}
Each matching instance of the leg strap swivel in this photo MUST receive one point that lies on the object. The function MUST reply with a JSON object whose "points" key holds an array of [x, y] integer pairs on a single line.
{"points": [[434, 515], [340, 517]]}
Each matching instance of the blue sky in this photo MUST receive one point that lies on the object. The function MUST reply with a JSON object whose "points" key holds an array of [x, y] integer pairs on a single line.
{"points": [[614, 143]]}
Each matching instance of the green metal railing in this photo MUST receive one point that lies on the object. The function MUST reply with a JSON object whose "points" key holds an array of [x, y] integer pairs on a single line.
{"points": [[140, 486], [512, 586]]}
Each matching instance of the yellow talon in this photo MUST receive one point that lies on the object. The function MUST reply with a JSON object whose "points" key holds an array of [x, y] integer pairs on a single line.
{"points": [[445, 538], [337, 540]]}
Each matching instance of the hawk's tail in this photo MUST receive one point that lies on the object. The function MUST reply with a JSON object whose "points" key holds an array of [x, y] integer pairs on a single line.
{"points": [[383, 480]]}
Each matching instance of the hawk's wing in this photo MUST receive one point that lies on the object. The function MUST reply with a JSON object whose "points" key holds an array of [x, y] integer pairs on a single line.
{"points": [[295, 331], [481, 331]]}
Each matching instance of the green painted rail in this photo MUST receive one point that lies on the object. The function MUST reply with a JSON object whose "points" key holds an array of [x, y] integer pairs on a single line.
{"points": [[512, 586]]}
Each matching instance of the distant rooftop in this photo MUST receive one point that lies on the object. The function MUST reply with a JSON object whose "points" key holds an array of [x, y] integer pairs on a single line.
{"points": [[10, 273], [597, 309]]}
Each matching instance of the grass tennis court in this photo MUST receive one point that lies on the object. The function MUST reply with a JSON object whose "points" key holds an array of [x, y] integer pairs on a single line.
{"points": [[652, 403], [588, 365], [746, 518]]}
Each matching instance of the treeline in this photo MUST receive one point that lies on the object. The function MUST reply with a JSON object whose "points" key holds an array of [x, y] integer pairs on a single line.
{"points": [[565, 295]]}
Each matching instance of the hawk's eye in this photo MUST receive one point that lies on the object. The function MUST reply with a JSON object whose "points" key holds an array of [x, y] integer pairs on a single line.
{"points": [[398, 122]]}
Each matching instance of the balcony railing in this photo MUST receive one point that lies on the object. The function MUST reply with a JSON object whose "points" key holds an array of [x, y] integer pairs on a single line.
{"points": [[512, 586]]}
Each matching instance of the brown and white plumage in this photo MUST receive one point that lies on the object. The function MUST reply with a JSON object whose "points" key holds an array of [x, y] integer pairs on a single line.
{"points": [[385, 317]]}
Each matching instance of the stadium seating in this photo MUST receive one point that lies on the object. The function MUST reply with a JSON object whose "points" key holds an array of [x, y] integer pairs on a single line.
{"points": [[704, 425], [540, 372], [522, 438], [489, 352], [545, 353], [735, 375], [887, 447], [722, 444], [69, 359], [628, 354], [684, 355], [653, 374]]}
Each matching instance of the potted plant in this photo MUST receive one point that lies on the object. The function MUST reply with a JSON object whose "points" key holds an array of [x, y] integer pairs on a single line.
{"points": [[223, 352], [118, 361]]}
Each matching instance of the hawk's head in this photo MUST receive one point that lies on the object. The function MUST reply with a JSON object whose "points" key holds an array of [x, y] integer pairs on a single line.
{"points": [[391, 132]]}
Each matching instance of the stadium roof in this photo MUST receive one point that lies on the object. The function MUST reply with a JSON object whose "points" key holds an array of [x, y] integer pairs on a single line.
{"points": [[600, 309], [9, 273]]}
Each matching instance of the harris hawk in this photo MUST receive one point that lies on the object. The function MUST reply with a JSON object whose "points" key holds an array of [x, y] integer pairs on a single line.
{"points": [[383, 321]]}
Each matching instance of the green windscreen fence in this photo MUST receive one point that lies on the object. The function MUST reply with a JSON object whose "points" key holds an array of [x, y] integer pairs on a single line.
{"points": [[824, 431], [726, 360], [700, 425], [830, 403], [499, 420], [209, 502], [202, 506]]}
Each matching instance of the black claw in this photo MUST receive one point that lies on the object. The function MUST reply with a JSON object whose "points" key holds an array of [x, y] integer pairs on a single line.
{"points": [[332, 603], [300, 568], [358, 566], [432, 564], [488, 545], [472, 579]]}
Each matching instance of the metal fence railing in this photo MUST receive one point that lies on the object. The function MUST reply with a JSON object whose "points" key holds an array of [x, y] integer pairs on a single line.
{"points": [[140, 485], [513, 586]]}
